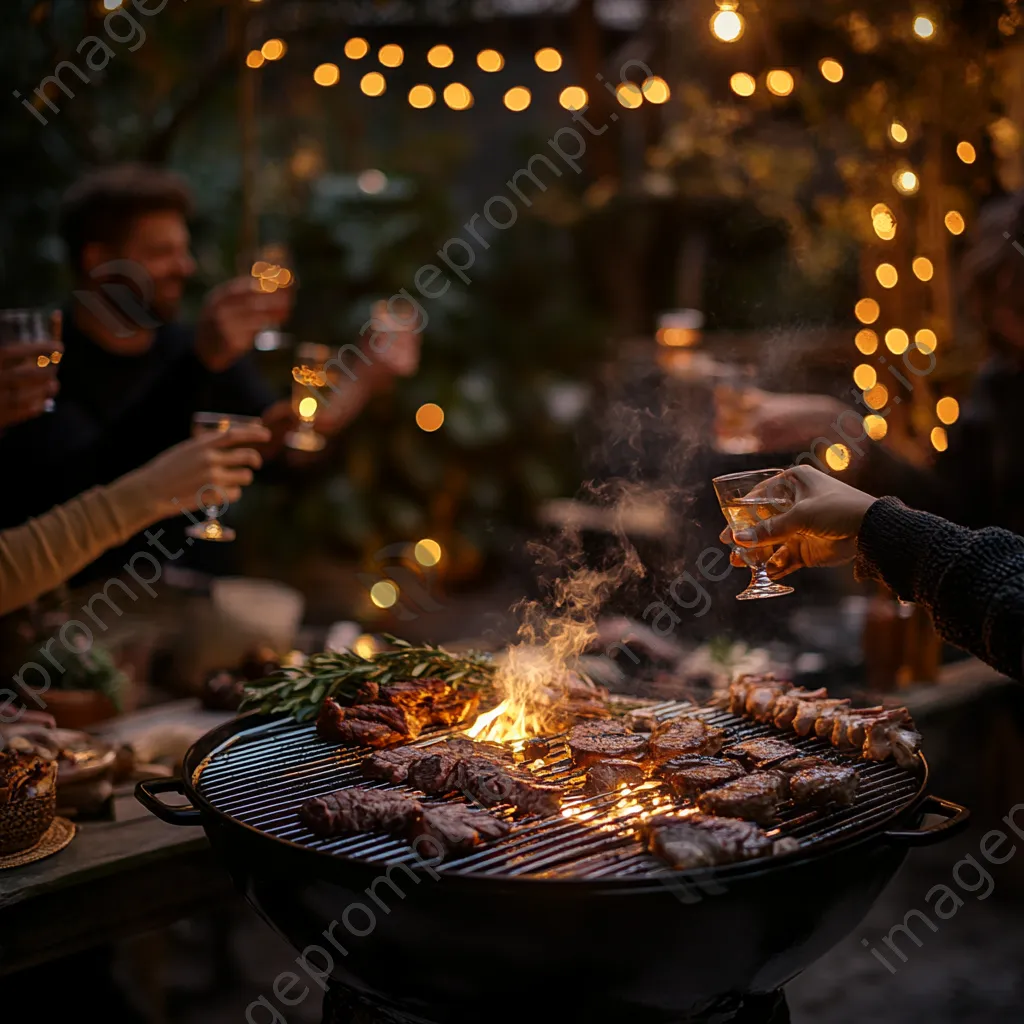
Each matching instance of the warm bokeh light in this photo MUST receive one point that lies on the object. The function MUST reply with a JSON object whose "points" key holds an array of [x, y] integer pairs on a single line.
{"points": [[427, 552], [629, 95], [457, 96], [875, 426], [966, 152], [866, 341], [865, 377], [924, 27], [888, 276], [939, 440], [656, 90], [421, 97], [883, 221], [876, 397], [838, 457], [365, 646], [548, 59], [42, 361], [440, 56], [867, 311], [897, 340], [926, 340], [274, 49], [356, 48], [779, 82], [307, 407], [372, 181], [906, 182], [490, 60], [743, 84], [255, 59], [429, 417], [727, 26], [391, 55], [517, 98], [573, 97], [831, 70], [898, 132], [373, 84], [955, 223], [384, 594], [327, 75], [948, 410], [924, 269]]}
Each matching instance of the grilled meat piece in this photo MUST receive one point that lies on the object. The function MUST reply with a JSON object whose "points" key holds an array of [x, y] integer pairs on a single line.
{"points": [[457, 828], [754, 797], [699, 841], [491, 784], [591, 748], [371, 725], [359, 810], [893, 735], [413, 693], [788, 703], [688, 777], [740, 690], [435, 774], [641, 720], [392, 765], [685, 735], [813, 780], [759, 753], [453, 708], [606, 776], [536, 748]]}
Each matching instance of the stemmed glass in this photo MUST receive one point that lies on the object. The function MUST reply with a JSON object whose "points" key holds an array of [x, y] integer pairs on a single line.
{"points": [[26, 326], [209, 423], [271, 270], [308, 376], [747, 499]]}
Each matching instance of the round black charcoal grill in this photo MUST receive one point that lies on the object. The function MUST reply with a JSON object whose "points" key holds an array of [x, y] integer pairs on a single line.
{"points": [[568, 913]]}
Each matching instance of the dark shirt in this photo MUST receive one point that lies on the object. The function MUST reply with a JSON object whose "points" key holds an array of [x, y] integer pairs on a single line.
{"points": [[970, 581], [113, 414]]}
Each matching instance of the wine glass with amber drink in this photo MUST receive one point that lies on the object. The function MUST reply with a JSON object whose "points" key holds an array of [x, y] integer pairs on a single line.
{"points": [[309, 378], [747, 499]]}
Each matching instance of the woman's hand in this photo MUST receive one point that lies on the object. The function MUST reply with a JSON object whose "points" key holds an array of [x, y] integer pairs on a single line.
{"points": [[28, 376], [819, 526], [209, 469]]}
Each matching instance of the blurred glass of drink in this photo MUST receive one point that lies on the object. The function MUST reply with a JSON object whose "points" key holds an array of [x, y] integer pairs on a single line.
{"points": [[309, 378], [27, 326], [271, 271]]}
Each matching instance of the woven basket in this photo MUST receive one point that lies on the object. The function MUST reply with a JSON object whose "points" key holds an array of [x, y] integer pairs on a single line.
{"points": [[23, 821]]}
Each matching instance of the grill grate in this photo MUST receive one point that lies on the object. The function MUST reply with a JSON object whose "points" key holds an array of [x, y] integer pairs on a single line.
{"points": [[261, 776]]}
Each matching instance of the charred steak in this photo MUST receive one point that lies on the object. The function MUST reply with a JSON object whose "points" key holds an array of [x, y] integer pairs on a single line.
{"points": [[457, 828], [699, 841], [391, 765], [814, 780], [753, 797], [606, 776], [680, 736], [688, 777], [359, 810], [762, 752]]}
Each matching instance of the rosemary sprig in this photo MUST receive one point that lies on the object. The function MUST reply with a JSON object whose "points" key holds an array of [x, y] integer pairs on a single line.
{"points": [[301, 689]]}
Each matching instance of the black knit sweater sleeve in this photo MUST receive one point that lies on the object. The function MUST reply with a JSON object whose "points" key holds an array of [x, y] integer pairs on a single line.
{"points": [[970, 581]]}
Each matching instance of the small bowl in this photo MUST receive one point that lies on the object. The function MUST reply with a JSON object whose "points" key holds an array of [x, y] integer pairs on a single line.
{"points": [[25, 817]]}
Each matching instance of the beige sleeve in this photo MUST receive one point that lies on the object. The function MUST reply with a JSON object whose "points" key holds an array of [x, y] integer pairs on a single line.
{"points": [[48, 550]]}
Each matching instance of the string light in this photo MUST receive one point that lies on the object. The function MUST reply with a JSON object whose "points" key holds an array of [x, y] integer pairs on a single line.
{"points": [[421, 97], [831, 70], [548, 59], [307, 407], [458, 97], [838, 457], [656, 90], [629, 95], [440, 56], [490, 60], [924, 27], [573, 97], [955, 223], [898, 132], [906, 182], [517, 98], [866, 341], [948, 410], [429, 417], [327, 75], [727, 25], [939, 440], [924, 269], [875, 426], [780, 82], [274, 49], [867, 311], [926, 340], [384, 594], [255, 59], [865, 377], [966, 152], [897, 340], [888, 276], [883, 221], [877, 397], [427, 552], [356, 48], [743, 84], [373, 84], [391, 55]]}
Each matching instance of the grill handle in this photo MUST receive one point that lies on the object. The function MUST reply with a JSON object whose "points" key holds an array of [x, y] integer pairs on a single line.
{"points": [[954, 820], [177, 814]]}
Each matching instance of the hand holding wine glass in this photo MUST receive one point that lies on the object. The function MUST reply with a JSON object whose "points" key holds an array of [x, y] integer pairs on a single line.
{"points": [[30, 351]]}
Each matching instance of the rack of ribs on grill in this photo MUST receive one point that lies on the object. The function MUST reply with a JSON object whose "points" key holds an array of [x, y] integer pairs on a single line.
{"points": [[877, 733], [688, 777], [700, 841], [384, 715], [754, 797]]}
